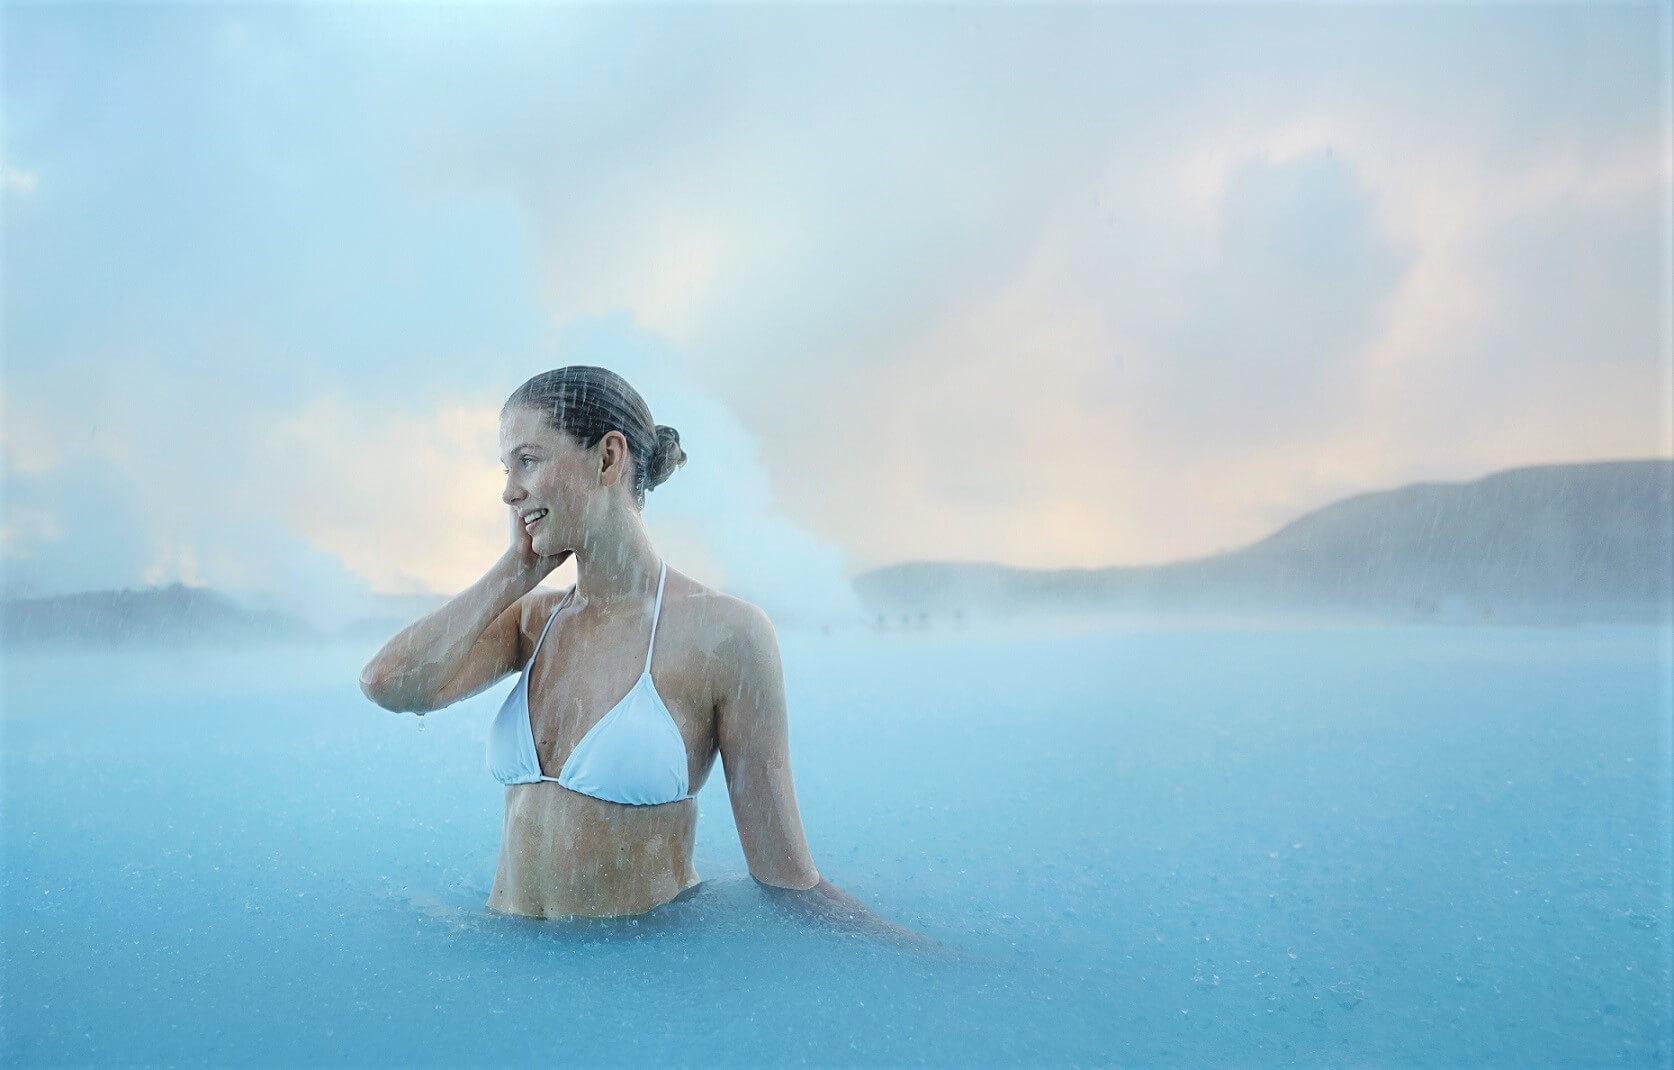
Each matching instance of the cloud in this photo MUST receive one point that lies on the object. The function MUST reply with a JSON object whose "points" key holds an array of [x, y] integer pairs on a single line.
{"points": [[1221, 309], [53, 546], [1271, 334], [957, 282], [145, 476]]}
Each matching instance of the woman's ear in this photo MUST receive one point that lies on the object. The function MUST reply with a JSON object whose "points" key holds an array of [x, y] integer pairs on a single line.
{"points": [[613, 457]]}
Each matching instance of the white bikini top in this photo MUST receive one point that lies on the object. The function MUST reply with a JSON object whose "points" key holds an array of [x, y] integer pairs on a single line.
{"points": [[634, 754]]}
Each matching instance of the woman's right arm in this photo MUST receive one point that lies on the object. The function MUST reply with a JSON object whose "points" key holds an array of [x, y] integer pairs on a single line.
{"points": [[462, 648], [752, 734]]}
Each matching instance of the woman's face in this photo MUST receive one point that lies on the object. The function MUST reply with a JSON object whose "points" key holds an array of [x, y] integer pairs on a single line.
{"points": [[546, 469]]}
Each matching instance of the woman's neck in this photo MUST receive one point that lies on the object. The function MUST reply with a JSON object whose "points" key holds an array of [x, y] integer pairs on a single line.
{"points": [[618, 570]]}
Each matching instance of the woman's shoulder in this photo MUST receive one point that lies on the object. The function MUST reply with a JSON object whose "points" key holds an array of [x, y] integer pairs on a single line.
{"points": [[723, 622]]}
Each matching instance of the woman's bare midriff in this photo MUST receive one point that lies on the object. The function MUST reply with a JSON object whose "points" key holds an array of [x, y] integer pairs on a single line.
{"points": [[564, 853]]}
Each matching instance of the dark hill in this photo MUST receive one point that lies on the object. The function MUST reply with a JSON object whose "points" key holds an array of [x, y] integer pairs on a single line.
{"points": [[175, 615], [1554, 543]]}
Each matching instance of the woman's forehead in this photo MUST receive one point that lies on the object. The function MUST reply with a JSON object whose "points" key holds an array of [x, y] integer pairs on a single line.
{"points": [[523, 424]]}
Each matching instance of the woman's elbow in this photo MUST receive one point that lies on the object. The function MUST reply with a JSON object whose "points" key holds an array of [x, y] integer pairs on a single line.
{"points": [[375, 685]]}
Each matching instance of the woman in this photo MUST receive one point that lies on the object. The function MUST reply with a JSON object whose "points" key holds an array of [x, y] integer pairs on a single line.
{"points": [[612, 833]]}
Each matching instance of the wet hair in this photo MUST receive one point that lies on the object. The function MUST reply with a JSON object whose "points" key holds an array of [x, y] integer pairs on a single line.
{"points": [[586, 402]]}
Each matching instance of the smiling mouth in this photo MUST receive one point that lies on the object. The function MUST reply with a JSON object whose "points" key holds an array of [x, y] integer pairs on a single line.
{"points": [[532, 521]]}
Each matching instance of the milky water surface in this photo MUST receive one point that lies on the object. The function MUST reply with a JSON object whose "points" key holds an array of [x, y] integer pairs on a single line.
{"points": [[1425, 846]]}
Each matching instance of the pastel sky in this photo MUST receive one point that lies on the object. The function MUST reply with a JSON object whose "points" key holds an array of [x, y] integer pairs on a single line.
{"points": [[1046, 286]]}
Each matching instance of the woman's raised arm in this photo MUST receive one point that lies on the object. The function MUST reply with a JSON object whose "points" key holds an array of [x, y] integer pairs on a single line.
{"points": [[468, 644]]}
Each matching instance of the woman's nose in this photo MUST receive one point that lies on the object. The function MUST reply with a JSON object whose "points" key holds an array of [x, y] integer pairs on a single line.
{"points": [[510, 494]]}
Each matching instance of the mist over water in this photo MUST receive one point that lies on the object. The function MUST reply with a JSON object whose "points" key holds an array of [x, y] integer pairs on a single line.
{"points": [[1174, 845]]}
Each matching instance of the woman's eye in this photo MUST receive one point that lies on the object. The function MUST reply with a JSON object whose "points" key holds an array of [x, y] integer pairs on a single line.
{"points": [[527, 460]]}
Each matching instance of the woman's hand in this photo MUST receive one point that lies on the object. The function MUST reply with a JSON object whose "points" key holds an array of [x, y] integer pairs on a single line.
{"points": [[522, 550], [830, 906]]}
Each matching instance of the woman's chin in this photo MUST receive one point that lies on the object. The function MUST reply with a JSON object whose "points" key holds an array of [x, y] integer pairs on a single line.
{"points": [[545, 548]]}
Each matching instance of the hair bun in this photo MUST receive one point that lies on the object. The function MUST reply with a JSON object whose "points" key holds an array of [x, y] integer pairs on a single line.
{"points": [[666, 457]]}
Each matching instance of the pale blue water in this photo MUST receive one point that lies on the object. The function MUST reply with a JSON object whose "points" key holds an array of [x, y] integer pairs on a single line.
{"points": [[1380, 846]]}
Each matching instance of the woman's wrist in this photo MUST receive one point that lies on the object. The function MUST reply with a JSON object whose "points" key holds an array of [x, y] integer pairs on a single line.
{"points": [[527, 574]]}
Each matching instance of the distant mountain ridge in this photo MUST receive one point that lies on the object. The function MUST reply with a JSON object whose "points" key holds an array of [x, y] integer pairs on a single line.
{"points": [[178, 615], [171, 615], [1544, 543]]}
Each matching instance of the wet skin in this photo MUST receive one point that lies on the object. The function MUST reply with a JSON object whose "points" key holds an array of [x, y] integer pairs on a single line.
{"points": [[564, 853]]}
